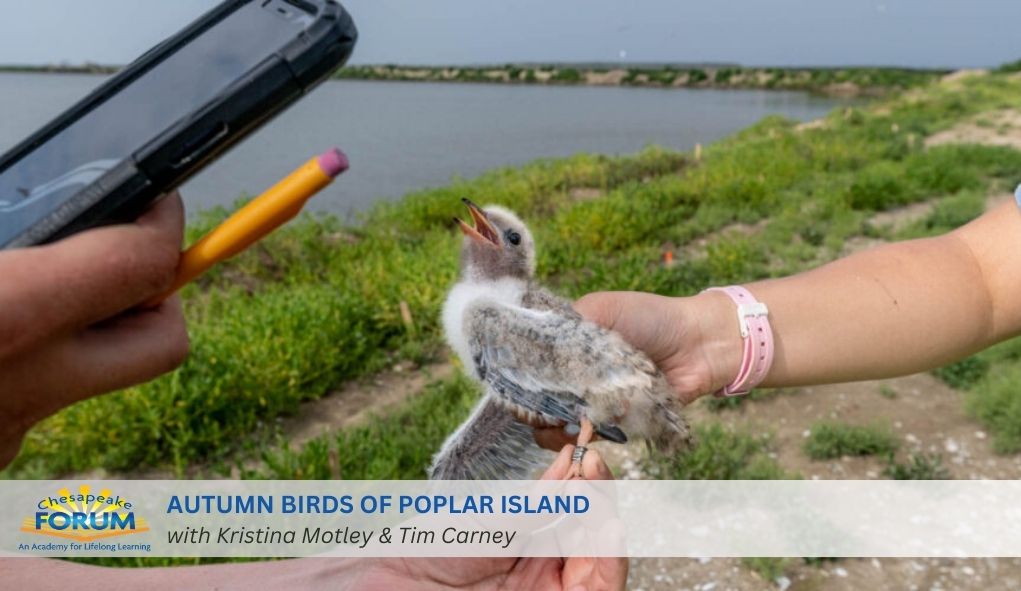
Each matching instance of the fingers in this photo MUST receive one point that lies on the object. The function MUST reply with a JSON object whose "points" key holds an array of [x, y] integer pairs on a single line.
{"points": [[647, 321], [591, 574], [592, 466], [131, 349], [561, 464], [89, 277], [603, 308], [595, 574]]}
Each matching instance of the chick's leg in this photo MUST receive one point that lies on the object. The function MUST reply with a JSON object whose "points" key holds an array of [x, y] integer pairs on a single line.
{"points": [[584, 438]]}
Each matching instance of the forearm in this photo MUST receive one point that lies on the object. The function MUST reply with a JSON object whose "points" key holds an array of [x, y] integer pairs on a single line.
{"points": [[892, 310]]}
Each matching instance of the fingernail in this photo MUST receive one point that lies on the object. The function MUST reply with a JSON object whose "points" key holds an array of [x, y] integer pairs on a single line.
{"points": [[572, 429], [578, 588]]}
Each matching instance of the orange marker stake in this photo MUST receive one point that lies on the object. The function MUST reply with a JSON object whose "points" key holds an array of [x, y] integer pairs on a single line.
{"points": [[261, 216]]}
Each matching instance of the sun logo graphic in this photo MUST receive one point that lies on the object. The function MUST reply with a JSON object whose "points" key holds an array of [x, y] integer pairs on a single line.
{"points": [[84, 516]]}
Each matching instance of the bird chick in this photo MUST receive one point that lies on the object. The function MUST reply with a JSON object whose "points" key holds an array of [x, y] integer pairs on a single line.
{"points": [[540, 363]]}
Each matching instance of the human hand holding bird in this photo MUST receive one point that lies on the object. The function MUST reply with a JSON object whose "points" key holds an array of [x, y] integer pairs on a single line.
{"points": [[692, 340], [681, 335], [541, 364]]}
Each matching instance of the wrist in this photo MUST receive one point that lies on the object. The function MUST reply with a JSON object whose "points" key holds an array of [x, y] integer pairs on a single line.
{"points": [[719, 338]]}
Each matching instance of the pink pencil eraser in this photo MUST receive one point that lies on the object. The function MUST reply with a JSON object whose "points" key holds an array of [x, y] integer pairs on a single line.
{"points": [[333, 162]]}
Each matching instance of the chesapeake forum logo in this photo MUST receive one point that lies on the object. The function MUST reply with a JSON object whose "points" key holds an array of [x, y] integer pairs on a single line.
{"points": [[84, 516]]}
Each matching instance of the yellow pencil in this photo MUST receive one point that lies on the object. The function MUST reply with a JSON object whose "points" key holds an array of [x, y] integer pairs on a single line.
{"points": [[258, 218]]}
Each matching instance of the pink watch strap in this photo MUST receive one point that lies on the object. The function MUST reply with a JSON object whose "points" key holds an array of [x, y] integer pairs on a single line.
{"points": [[753, 318]]}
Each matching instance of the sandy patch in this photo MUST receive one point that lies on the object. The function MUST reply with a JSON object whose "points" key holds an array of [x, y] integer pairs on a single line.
{"points": [[843, 89], [994, 201], [357, 401], [585, 194], [696, 248], [409, 73], [813, 124], [1001, 128], [954, 78], [498, 75], [902, 217], [682, 79], [610, 78]]}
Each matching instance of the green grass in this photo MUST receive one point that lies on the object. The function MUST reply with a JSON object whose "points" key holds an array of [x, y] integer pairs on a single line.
{"points": [[720, 403], [400, 445], [830, 440], [318, 303], [396, 446], [567, 75], [722, 453], [1010, 67], [989, 380], [919, 466], [964, 373], [996, 401], [955, 211], [770, 569]]}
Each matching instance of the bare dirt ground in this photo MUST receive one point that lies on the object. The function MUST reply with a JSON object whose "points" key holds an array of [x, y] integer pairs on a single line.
{"points": [[1002, 128], [926, 415], [357, 401]]}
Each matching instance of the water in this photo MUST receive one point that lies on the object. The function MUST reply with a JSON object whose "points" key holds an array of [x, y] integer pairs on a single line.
{"points": [[407, 136]]}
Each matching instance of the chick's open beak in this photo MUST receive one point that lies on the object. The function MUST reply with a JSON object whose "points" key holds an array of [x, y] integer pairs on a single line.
{"points": [[482, 231]]}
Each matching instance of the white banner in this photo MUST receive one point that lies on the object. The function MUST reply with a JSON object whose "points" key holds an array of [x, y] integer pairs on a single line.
{"points": [[220, 518]]}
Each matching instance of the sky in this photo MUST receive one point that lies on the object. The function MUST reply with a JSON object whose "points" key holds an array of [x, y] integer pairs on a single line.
{"points": [[916, 33]]}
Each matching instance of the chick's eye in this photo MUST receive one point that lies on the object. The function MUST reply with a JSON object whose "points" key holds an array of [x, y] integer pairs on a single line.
{"points": [[513, 237]]}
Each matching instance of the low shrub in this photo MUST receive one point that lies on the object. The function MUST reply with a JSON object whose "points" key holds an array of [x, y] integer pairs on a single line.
{"points": [[964, 373], [996, 402], [829, 440], [721, 453]]}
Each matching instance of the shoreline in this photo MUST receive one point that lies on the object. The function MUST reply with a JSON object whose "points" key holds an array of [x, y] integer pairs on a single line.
{"points": [[94, 69], [840, 82], [837, 82]]}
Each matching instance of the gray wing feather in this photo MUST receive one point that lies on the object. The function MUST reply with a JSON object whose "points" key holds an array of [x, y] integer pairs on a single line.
{"points": [[553, 407], [553, 364], [537, 298], [490, 445]]}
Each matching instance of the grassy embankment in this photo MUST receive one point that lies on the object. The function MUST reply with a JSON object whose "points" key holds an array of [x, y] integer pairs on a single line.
{"points": [[318, 303], [844, 81]]}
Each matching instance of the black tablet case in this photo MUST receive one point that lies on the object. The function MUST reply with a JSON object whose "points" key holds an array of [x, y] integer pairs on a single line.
{"points": [[125, 191]]}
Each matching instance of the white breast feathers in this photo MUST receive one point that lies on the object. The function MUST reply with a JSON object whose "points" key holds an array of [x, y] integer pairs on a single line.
{"points": [[505, 291]]}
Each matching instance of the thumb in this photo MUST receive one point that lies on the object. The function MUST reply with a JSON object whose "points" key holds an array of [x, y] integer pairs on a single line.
{"points": [[604, 307]]}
